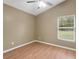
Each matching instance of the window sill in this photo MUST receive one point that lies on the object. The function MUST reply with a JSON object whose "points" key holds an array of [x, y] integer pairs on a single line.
{"points": [[67, 40]]}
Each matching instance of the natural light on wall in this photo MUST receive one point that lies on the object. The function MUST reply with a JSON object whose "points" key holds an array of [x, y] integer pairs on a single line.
{"points": [[42, 4], [66, 28]]}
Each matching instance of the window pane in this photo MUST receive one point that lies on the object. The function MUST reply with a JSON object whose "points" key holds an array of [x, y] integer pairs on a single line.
{"points": [[66, 21], [68, 35]]}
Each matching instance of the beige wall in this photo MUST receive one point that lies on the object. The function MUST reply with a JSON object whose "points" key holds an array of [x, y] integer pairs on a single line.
{"points": [[19, 27], [47, 23]]}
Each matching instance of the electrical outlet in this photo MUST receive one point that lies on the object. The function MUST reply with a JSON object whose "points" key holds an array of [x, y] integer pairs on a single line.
{"points": [[12, 43]]}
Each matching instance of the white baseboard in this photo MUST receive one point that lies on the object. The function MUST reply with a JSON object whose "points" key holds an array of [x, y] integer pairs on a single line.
{"points": [[18, 46], [39, 42], [56, 45]]}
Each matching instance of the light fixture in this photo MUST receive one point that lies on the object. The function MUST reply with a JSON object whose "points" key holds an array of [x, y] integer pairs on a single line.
{"points": [[42, 4]]}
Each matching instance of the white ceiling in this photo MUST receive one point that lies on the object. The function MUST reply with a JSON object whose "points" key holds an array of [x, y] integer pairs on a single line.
{"points": [[31, 7]]}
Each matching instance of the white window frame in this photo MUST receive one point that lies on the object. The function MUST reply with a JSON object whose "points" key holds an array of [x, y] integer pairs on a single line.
{"points": [[74, 29]]}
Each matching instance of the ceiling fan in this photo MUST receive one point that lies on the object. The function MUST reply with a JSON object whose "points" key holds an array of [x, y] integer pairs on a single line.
{"points": [[40, 3]]}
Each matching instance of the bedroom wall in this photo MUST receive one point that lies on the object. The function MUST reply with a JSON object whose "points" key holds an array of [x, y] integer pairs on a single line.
{"points": [[47, 23], [19, 27]]}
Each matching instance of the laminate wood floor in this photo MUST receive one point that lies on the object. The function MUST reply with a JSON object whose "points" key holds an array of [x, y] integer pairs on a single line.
{"points": [[40, 51]]}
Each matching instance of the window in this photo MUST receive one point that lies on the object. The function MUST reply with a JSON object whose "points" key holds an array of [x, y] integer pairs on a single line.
{"points": [[66, 28]]}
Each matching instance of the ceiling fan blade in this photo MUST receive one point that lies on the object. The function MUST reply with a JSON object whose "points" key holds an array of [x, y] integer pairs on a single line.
{"points": [[30, 1], [48, 3], [38, 7]]}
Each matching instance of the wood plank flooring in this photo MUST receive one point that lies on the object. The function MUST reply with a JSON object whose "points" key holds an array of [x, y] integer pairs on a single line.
{"points": [[40, 51]]}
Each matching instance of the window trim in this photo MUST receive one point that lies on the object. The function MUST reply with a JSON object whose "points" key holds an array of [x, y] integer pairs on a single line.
{"points": [[74, 29]]}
